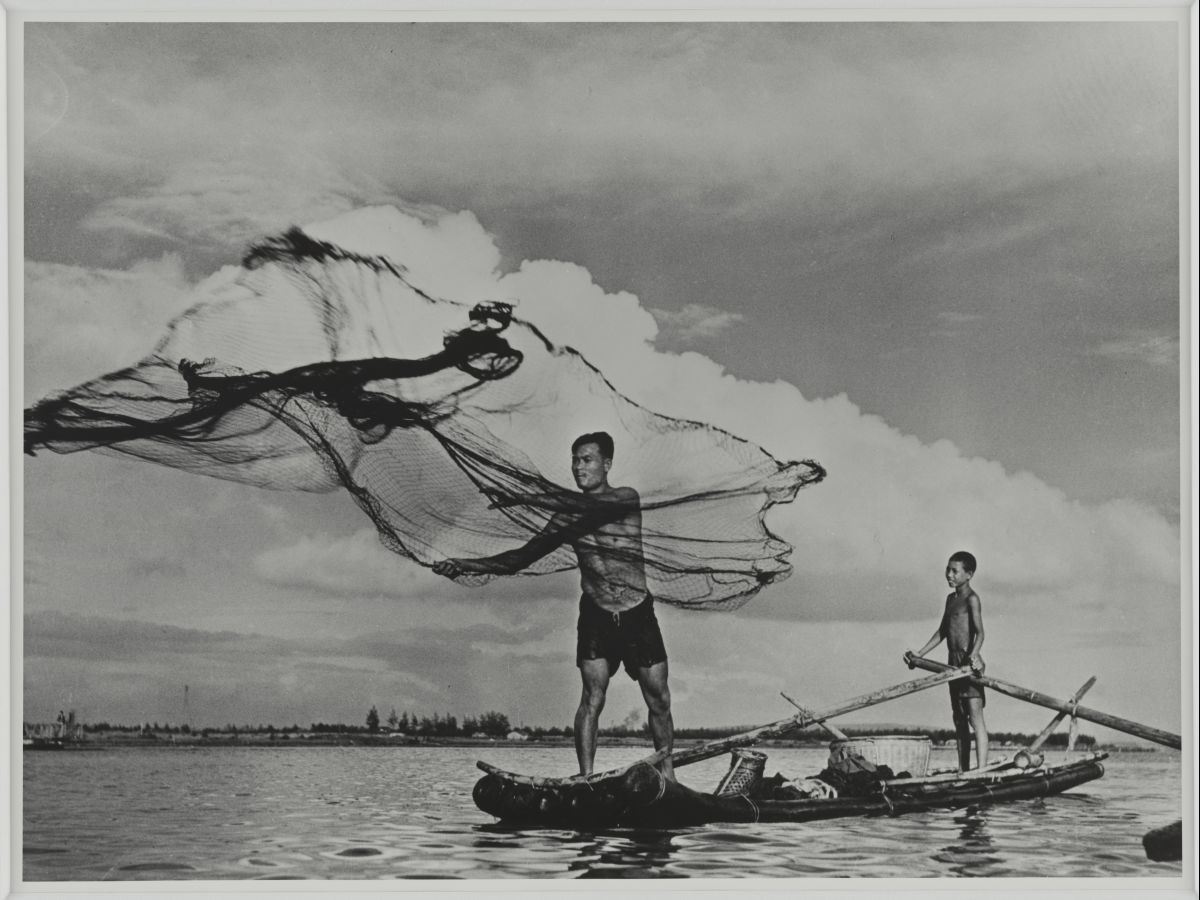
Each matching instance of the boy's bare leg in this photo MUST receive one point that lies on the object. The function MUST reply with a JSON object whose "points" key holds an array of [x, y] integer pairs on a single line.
{"points": [[657, 695], [962, 738], [594, 673], [975, 710]]}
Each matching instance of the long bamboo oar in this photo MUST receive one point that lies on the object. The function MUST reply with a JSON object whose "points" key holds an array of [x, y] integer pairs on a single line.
{"points": [[762, 733], [1166, 738], [828, 726], [804, 719]]}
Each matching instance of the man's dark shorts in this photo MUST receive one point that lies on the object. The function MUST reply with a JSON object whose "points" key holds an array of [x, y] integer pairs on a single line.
{"points": [[964, 689], [631, 636]]}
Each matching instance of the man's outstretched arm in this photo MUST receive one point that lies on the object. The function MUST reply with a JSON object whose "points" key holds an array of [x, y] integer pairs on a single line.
{"points": [[507, 563], [579, 515], [556, 532], [617, 502]]}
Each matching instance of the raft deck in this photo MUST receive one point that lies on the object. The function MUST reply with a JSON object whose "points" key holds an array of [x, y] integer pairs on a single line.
{"points": [[642, 797]]}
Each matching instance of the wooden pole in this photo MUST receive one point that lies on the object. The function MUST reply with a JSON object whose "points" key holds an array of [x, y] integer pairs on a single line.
{"points": [[828, 726], [803, 720], [1057, 720], [1166, 738], [762, 733]]}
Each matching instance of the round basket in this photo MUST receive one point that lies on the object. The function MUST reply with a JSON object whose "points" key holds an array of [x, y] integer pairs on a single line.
{"points": [[900, 753]]}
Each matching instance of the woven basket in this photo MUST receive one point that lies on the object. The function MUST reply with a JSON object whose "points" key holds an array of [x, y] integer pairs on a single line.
{"points": [[745, 772], [900, 753]]}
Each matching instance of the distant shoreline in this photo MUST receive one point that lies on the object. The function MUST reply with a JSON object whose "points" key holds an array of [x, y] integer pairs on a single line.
{"points": [[124, 740]]}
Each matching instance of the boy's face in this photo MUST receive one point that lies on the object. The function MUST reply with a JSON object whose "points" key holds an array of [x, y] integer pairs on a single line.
{"points": [[956, 575], [589, 467]]}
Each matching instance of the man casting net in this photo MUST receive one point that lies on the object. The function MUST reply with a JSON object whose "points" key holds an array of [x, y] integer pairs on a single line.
{"points": [[317, 369]]}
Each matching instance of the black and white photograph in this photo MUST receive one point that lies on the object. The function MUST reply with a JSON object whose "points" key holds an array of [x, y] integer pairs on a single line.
{"points": [[528, 448]]}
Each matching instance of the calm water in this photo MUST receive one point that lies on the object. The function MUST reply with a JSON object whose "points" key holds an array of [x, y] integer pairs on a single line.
{"points": [[359, 813]]}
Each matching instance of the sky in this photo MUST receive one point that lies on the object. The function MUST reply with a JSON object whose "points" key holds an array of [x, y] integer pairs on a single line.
{"points": [[942, 259]]}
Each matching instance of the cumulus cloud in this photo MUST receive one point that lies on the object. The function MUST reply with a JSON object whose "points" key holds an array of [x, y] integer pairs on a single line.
{"points": [[570, 308], [870, 541], [695, 321], [81, 322], [446, 253]]}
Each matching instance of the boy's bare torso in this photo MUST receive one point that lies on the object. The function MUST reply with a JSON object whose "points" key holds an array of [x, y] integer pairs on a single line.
{"points": [[956, 622]]}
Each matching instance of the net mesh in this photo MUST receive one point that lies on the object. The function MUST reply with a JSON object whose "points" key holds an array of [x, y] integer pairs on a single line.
{"points": [[313, 368]]}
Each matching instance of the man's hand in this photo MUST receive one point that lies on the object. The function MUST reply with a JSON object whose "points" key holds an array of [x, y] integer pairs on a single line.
{"points": [[451, 568], [977, 663], [909, 656]]}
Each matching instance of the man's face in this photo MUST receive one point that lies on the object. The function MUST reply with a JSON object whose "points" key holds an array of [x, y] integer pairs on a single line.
{"points": [[589, 467], [956, 575]]}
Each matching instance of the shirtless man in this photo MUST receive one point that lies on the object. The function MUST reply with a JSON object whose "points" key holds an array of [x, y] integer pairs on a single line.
{"points": [[603, 525]]}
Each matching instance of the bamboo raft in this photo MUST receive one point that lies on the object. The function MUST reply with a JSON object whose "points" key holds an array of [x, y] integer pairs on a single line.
{"points": [[639, 795], [643, 798]]}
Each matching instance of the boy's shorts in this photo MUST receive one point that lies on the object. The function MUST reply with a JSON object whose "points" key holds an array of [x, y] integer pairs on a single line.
{"points": [[964, 689], [631, 636]]}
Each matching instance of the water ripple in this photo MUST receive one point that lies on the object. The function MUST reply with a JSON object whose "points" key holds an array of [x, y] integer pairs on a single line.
{"points": [[406, 813]]}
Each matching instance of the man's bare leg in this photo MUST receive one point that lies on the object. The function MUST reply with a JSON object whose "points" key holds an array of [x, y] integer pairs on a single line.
{"points": [[657, 695], [975, 709], [595, 684]]}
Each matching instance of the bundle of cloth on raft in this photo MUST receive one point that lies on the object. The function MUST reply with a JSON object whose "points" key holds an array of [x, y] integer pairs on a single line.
{"points": [[850, 776]]}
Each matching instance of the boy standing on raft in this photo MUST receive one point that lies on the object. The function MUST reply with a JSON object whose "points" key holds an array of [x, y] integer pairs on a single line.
{"points": [[962, 630]]}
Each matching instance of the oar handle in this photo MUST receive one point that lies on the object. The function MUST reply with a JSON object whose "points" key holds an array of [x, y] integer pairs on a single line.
{"points": [[1166, 738]]}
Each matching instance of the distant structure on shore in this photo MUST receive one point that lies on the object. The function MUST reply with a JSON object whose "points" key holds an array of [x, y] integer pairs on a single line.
{"points": [[52, 735]]}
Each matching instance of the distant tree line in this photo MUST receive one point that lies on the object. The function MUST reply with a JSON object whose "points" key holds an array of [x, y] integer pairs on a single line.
{"points": [[168, 728], [491, 724], [497, 725]]}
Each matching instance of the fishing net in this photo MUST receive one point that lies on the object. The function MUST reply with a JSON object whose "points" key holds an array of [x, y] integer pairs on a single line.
{"points": [[313, 368]]}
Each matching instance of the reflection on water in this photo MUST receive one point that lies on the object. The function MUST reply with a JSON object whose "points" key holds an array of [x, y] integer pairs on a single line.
{"points": [[636, 855], [164, 814], [973, 852]]}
